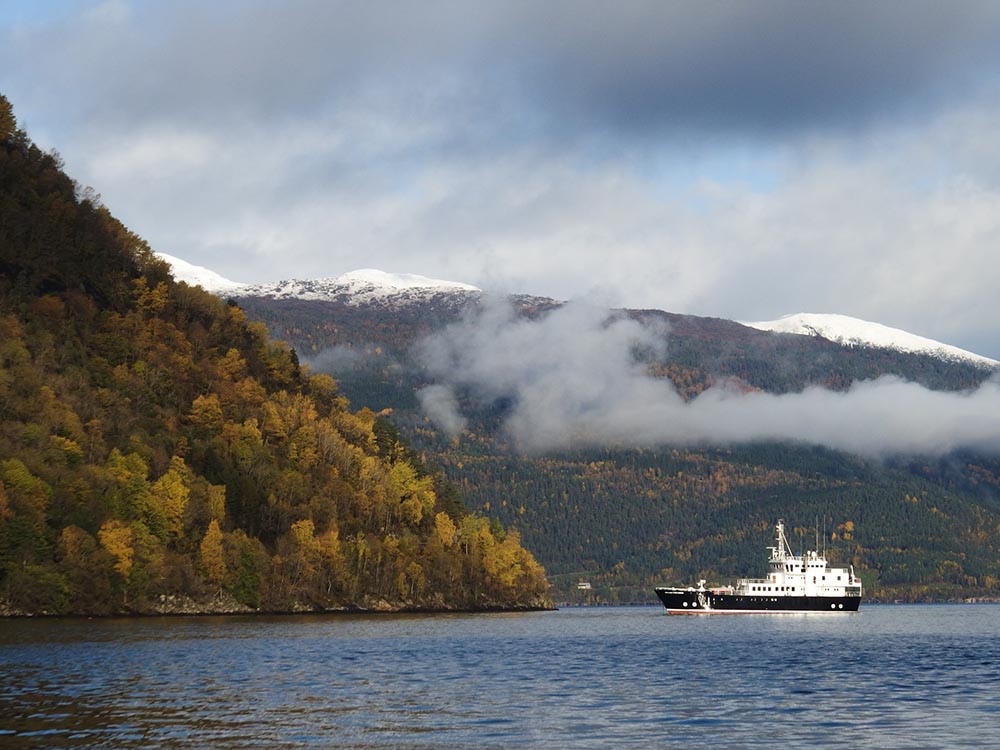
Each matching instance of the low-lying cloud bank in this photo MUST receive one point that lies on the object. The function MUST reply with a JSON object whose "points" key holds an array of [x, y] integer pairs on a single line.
{"points": [[577, 377]]}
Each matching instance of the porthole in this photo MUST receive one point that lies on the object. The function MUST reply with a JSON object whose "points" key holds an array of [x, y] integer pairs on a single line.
{"points": [[833, 606], [685, 604], [840, 606]]}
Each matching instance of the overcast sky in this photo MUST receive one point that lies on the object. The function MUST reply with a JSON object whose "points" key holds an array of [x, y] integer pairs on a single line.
{"points": [[741, 160]]}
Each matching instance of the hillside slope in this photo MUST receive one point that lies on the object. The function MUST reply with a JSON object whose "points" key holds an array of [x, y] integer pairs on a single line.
{"points": [[159, 453], [626, 519]]}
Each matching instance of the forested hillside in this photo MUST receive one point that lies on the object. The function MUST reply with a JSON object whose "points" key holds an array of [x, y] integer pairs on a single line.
{"points": [[625, 520], [159, 452]]}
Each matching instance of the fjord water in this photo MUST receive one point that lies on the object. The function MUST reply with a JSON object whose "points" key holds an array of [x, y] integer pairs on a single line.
{"points": [[887, 677]]}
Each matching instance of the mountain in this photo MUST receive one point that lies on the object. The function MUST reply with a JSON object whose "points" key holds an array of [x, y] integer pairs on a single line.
{"points": [[625, 519], [367, 286], [394, 291], [157, 446], [194, 275], [160, 454], [855, 332]]}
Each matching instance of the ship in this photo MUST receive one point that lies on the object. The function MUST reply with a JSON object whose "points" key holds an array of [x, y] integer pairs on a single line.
{"points": [[794, 584]]}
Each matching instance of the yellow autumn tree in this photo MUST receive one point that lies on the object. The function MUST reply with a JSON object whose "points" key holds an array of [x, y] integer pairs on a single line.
{"points": [[87, 569], [415, 493], [150, 301], [217, 501], [116, 538], [302, 448], [502, 563], [206, 413], [131, 497], [273, 425], [411, 581], [445, 528], [334, 567], [169, 498], [303, 555], [232, 366], [211, 554]]}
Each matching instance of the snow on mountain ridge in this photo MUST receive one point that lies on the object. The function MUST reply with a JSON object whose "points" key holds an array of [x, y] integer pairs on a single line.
{"points": [[194, 275], [402, 280], [364, 286], [371, 286], [844, 329]]}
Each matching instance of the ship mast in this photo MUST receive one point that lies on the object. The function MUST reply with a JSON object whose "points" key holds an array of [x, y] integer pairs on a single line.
{"points": [[782, 550]]}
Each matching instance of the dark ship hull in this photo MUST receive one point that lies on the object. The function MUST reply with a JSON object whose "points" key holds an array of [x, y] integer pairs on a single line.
{"points": [[704, 602]]}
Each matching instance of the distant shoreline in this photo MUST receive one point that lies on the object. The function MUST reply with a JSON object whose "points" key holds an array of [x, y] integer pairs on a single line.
{"points": [[389, 609]]}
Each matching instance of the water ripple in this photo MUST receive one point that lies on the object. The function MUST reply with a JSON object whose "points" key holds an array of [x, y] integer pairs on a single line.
{"points": [[889, 677]]}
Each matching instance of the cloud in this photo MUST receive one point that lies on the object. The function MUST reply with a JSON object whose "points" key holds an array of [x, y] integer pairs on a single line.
{"points": [[736, 160], [767, 67], [441, 406], [336, 359], [574, 66], [577, 377]]}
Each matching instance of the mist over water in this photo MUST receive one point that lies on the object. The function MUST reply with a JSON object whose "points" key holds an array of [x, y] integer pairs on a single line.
{"points": [[577, 377]]}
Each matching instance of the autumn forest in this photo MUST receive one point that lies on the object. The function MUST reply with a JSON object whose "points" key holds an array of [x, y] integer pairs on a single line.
{"points": [[159, 453]]}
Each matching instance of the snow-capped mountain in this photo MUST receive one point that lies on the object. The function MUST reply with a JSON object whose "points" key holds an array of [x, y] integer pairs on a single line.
{"points": [[364, 287], [194, 275], [370, 287], [855, 332]]}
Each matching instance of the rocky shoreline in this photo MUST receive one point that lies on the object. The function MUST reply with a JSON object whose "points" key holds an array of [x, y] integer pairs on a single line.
{"points": [[223, 603]]}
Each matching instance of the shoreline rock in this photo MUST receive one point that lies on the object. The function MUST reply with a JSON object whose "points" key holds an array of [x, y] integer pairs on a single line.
{"points": [[224, 604]]}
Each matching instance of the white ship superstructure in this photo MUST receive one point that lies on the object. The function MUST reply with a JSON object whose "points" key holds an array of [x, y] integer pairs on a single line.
{"points": [[799, 575]]}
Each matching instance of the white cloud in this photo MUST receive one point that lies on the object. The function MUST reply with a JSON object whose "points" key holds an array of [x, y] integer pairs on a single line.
{"points": [[163, 154], [573, 379], [441, 406]]}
